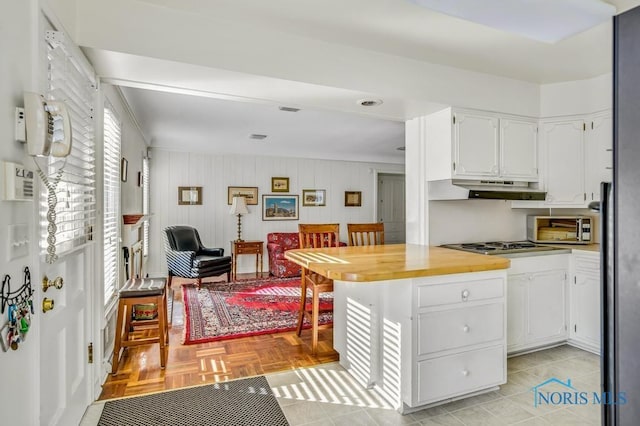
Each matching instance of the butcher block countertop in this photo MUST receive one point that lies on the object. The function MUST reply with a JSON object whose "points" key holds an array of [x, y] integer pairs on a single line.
{"points": [[391, 262]]}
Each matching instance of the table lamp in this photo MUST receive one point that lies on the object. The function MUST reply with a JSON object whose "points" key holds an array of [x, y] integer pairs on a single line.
{"points": [[239, 207]]}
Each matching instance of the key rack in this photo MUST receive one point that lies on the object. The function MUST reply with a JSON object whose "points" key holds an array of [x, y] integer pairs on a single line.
{"points": [[21, 296], [19, 307]]}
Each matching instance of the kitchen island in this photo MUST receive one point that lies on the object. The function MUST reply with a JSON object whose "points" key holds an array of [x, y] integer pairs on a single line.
{"points": [[421, 325]]}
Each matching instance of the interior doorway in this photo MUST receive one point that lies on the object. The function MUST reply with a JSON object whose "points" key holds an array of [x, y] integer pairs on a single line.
{"points": [[390, 206]]}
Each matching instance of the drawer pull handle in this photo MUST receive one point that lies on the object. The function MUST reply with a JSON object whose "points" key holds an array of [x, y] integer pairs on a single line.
{"points": [[465, 328], [465, 295], [465, 372]]}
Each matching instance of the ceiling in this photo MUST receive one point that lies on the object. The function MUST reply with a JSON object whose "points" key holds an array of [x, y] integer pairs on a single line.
{"points": [[203, 124], [394, 27]]}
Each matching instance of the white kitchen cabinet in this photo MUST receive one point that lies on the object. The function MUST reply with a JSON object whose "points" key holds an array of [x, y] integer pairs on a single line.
{"points": [[476, 146], [519, 149], [598, 153], [576, 154], [537, 309], [517, 310], [480, 145], [423, 340], [585, 301], [563, 161], [546, 307]]}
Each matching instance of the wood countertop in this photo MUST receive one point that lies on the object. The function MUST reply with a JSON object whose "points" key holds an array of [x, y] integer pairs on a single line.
{"points": [[391, 262]]}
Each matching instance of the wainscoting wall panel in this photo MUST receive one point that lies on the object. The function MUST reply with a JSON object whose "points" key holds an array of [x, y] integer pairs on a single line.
{"points": [[214, 173]]}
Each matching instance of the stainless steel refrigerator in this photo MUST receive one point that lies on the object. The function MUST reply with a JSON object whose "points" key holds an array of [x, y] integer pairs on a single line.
{"points": [[620, 238]]}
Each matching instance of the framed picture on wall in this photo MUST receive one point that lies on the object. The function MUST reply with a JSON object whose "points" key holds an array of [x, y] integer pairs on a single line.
{"points": [[313, 197], [189, 195], [250, 193], [279, 184], [279, 207], [353, 198]]}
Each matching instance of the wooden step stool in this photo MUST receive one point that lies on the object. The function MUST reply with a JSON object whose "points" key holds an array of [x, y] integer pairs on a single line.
{"points": [[136, 292]]}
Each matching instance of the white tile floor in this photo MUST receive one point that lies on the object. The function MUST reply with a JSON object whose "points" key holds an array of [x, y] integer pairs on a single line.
{"points": [[326, 395]]}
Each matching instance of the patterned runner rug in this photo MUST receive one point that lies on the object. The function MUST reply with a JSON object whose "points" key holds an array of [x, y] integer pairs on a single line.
{"points": [[247, 402], [218, 311]]}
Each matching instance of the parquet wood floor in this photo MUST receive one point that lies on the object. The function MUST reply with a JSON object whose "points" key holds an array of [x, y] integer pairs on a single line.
{"points": [[139, 370]]}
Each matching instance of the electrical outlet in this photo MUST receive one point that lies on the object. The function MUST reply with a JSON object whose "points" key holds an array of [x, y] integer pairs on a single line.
{"points": [[20, 126]]}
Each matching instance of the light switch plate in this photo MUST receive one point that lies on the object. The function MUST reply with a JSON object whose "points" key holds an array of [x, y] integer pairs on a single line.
{"points": [[18, 241]]}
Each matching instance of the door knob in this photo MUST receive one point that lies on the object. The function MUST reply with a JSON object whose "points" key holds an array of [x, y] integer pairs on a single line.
{"points": [[47, 304], [57, 283]]}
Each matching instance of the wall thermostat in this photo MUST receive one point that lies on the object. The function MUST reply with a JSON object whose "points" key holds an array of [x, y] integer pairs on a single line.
{"points": [[18, 182]]}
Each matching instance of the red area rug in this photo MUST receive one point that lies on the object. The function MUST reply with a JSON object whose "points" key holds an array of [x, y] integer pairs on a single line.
{"points": [[219, 311]]}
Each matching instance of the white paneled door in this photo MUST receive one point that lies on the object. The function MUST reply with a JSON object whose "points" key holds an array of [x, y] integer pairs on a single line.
{"points": [[391, 206], [64, 369]]}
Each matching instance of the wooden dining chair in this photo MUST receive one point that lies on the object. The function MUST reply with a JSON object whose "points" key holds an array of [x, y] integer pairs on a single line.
{"points": [[365, 234], [315, 236]]}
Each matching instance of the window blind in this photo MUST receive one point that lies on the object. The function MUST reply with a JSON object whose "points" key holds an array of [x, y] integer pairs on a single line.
{"points": [[146, 198], [75, 209], [111, 208]]}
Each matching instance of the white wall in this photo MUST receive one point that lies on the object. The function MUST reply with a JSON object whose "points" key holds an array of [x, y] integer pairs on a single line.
{"points": [[577, 97], [467, 221], [215, 173], [19, 370]]}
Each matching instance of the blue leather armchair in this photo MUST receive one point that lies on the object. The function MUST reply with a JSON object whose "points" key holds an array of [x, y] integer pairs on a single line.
{"points": [[188, 258]]}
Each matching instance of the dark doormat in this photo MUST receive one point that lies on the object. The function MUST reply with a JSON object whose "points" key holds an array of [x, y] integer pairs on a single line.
{"points": [[239, 402]]}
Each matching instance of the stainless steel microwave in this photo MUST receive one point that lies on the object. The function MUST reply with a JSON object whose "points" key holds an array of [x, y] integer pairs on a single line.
{"points": [[559, 229]]}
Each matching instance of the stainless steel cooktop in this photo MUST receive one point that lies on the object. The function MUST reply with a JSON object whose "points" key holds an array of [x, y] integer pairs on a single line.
{"points": [[504, 247]]}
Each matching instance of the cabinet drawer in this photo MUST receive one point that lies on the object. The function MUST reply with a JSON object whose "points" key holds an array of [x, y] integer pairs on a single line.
{"points": [[587, 264], [442, 330], [449, 376], [444, 294], [249, 250]]}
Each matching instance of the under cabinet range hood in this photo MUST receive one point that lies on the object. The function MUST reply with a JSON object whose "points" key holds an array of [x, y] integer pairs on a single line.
{"points": [[454, 189]]}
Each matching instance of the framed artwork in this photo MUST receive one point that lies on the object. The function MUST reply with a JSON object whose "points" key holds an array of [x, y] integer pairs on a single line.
{"points": [[279, 184], [313, 197], [279, 207], [250, 193], [353, 198], [190, 195], [124, 169]]}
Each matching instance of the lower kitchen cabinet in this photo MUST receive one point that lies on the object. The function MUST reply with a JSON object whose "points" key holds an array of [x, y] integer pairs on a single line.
{"points": [[424, 340], [585, 301], [537, 308]]}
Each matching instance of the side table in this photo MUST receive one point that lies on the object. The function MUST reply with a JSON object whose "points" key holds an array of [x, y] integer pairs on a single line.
{"points": [[245, 247]]}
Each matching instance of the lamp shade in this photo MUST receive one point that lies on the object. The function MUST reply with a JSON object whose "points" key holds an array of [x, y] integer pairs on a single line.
{"points": [[239, 206]]}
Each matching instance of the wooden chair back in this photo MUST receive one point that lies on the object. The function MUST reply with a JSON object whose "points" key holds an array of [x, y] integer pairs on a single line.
{"points": [[319, 235], [365, 234]]}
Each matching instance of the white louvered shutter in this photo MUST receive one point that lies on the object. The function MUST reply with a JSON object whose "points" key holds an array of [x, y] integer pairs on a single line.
{"points": [[75, 209], [111, 228], [146, 198]]}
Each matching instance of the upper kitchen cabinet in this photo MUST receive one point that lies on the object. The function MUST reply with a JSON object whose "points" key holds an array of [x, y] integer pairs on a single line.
{"points": [[563, 160], [476, 150], [598, 153], [478, 145], [576, 155], [519, 149]]}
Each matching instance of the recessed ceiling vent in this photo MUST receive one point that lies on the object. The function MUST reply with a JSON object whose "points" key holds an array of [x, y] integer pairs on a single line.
{"points": [[257, 136], [369, 102], [288, 109]]}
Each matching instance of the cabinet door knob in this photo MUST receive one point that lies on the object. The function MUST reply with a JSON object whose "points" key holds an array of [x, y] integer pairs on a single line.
{"points": [[465, 372], [465, 295], [465, 328]]}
